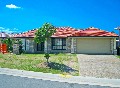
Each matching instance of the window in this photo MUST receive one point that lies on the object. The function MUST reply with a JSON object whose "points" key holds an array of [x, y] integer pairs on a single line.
{"points": [[58, 43]]}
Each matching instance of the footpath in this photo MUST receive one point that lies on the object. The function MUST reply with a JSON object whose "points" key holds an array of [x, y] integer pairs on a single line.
{"points": [[62, 78]]}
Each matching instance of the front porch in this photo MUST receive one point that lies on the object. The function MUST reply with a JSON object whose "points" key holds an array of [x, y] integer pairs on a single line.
{"points": [[52, 45], [29, 46]]}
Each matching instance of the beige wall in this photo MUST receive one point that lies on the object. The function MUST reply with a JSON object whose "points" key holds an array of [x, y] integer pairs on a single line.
{"points": [[30, 45], [94, 45], [80, 45]]}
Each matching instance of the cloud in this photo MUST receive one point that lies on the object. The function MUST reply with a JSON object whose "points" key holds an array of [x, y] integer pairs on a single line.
{"points": [[1, 28], [11, 6], [8, 30]]}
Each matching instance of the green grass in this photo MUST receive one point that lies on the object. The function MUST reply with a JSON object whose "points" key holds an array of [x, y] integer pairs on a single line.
{"points": [[32, 62], [118, 56]]}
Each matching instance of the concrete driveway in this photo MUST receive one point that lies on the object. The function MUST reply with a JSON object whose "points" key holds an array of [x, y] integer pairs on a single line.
{"points": [[100, 66]]}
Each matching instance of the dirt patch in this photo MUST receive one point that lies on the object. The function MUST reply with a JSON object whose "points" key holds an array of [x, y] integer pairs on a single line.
{"points": [[1, 60], [71, 63], [42, 65]]}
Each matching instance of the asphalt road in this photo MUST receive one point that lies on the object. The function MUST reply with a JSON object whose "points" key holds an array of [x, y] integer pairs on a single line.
{"points": [[8, 81]]}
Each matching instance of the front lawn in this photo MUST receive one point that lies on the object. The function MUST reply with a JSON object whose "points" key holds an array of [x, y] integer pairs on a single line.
{"points": [[118, 56], [58, 63]]}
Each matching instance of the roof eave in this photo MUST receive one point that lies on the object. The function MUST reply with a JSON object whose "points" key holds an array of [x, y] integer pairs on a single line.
{"points": [[93, 36], [22, 37]]}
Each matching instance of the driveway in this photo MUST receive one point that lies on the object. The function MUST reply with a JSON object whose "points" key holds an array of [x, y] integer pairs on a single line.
{"points": [[100, 66]]}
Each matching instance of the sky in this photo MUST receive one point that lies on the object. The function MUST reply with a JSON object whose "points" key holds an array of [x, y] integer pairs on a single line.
{"points": [[23, 15]]}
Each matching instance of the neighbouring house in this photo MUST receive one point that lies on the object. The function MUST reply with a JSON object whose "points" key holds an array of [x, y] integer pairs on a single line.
{"points": [[3, 47], [69, 40], [3, 35]]}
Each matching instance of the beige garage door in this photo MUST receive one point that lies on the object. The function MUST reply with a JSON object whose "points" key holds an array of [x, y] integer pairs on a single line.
{"points": [[93, 45]]}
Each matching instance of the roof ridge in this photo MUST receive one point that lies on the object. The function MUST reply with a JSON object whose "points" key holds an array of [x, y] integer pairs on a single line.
{"points": [[69, 31]]}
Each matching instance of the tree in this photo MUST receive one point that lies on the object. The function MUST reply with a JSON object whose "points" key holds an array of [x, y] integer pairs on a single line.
{"points": [[9, 43], [43, 33]]}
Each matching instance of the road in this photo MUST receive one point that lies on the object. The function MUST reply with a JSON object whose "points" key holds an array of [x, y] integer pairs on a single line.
{"points": [[9, 81]]}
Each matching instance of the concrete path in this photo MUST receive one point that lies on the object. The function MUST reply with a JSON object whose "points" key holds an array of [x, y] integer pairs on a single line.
{"points": [[84, 82], [100, 66]]}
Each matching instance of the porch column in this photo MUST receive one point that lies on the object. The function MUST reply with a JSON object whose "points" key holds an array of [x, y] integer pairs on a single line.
{"points": [[45, 46], [72, 45], [112, 45], [115, 50]]}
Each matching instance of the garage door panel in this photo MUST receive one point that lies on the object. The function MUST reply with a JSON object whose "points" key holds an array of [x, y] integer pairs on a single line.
{"points": [[93, 45]]}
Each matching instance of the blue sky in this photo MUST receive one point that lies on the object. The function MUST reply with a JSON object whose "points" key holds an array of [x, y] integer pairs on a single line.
{"points": [[24, 15]]}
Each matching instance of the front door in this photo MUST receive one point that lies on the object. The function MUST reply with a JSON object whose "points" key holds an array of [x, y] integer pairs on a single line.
{"points": [[40, 47]]}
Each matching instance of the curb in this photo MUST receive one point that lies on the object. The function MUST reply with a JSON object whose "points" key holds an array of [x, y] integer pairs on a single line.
{"points": [[62, 78]]}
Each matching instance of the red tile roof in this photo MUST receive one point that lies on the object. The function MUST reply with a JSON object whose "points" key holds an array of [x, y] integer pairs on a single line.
{"points": [[30, 33], [68, 31], [95, 32], [65, 32]]}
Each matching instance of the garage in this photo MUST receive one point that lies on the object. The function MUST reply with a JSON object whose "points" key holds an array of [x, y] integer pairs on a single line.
{"points": [[93, 46]]}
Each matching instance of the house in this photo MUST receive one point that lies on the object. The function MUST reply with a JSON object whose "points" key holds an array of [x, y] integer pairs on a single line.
{"points": [[69, 40], [3, 35], [3, 47]]}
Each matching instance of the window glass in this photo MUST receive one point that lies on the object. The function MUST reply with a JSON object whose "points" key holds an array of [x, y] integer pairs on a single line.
{"points": [[59, 43]]}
